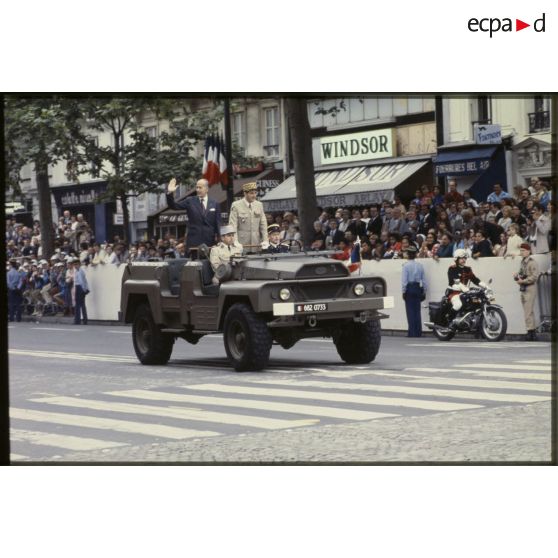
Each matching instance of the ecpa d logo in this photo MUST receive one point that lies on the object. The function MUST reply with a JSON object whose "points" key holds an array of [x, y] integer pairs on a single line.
{"points": [[494, 25]]}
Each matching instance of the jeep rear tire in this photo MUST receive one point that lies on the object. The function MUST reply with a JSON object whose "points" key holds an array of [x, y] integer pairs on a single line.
{"points": [[247, 338], [151, 345], [359, 343]]}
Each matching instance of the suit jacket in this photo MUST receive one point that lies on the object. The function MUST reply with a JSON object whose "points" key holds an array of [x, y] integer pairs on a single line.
{"points": [[202, 226], [375, 225]]}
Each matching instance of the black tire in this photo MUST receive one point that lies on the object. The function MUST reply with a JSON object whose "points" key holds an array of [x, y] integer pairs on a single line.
{"points": [[443, 334], [359, 343], [151, 346], [247, 338], [496, 331]]}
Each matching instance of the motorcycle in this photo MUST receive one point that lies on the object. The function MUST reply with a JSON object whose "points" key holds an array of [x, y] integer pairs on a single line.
{"points": [[479, 314]]}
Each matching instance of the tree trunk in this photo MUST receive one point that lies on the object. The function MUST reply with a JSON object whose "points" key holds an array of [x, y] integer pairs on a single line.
{"points": [[304, 167], [126, 216], [45, 208]]}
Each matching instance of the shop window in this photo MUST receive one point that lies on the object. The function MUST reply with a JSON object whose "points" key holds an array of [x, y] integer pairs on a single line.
{"points": [[151, 131]]}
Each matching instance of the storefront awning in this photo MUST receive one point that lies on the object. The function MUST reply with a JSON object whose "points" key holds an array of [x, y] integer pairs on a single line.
{"points": [[458, 162], [346, 187]]}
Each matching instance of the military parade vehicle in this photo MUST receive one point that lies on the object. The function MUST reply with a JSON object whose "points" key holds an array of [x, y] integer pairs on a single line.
{"points": [[261, 299]]}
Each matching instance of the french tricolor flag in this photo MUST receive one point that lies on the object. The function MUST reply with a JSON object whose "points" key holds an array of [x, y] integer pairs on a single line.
{"points": [[214, 168]]}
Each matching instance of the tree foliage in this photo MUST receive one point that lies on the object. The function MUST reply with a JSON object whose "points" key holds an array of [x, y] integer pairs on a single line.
{"points": [[136, 162]]}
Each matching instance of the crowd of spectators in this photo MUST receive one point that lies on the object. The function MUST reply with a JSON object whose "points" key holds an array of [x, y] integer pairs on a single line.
{"points": [[436, 223]]}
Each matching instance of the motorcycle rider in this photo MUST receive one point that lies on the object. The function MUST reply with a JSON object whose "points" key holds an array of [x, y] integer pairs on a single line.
{"points": [[459, 277]]}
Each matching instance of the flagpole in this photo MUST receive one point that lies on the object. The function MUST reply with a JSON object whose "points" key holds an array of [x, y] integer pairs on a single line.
{"points": [[228, 152]]}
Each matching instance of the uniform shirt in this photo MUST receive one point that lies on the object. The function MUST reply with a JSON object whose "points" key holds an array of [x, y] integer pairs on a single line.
{"points": [[80, 280], [249, 221], [221, 253], [413, 272], [14, 279], [494, 197], [530, 270]]}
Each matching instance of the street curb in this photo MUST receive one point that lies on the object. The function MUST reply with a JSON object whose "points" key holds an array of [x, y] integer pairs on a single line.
{"points": [[385, 332]]}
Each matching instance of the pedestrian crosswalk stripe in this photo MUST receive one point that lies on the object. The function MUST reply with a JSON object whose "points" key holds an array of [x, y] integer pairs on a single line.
{"points": [[410, 390], [17, 457], [71, 356], [490, 384], [486, 373], [312, 410], [482, 345], [503, 366], [338, 397], [76, 443], [539, 361], [177, 412], [84, 421]]}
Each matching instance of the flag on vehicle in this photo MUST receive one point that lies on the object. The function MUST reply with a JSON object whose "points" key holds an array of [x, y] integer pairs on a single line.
{"points": [[355, 257]]}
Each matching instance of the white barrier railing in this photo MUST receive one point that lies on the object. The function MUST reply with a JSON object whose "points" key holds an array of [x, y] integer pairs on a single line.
{"points": [[103, 302]]}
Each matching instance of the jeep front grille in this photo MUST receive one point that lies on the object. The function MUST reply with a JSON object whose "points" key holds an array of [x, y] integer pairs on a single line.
{"points": [[319, 291]]}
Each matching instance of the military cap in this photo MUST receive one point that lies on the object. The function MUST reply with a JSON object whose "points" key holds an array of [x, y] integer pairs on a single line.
{"points": [[249, 187], [525, 246], [227, 229], [411, 248], [273, 228]]}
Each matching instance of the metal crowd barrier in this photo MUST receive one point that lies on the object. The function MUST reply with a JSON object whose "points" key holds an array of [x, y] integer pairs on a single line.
{"points": [[544, 292]]}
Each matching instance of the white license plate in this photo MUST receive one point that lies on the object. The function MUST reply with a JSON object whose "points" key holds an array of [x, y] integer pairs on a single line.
{"points": [[317, 307]]}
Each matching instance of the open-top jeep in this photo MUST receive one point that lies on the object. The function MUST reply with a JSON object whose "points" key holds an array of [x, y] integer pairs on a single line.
{"points": [[262, 299]]}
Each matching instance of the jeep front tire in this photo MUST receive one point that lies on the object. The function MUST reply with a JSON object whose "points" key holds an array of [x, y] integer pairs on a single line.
{"points": [[151, 345], [359, 343], [247, 338]]}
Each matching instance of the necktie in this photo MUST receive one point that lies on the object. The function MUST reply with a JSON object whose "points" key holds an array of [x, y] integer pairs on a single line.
{"points": [[202, 201], [250, 206]]}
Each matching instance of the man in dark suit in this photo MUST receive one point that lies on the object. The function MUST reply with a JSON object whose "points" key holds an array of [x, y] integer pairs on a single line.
{"points": [[204, 217], [375, 223]]}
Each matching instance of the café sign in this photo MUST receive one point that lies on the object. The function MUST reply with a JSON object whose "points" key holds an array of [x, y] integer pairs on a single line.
{"points": [[361, 146]]}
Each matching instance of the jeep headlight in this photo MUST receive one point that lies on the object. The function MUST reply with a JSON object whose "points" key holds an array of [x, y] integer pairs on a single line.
{"points": [[358, 289], [284, 294]]}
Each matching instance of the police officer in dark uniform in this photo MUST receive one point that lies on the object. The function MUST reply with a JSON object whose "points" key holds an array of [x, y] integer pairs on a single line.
{"points": [[413, 286], [15, 287], [459, 277], [274, 235]]}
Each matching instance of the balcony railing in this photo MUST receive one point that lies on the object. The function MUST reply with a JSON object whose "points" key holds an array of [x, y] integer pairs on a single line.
{"points": [[539, 121]]}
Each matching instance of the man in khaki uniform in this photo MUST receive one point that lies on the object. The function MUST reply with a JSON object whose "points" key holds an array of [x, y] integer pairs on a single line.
{"points": [[221, 253], [248, 219], [527, 281]]}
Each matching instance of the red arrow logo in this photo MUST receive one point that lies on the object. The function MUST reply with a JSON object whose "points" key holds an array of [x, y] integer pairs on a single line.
{"points": [[519, 25]]}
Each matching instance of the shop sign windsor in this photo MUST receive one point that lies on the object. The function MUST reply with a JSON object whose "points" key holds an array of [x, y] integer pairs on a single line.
{"points": [[363, 146]]}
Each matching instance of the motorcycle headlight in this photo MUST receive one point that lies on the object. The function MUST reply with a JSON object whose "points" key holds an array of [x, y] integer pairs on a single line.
{"points": [[284, 294], [358, 289]]}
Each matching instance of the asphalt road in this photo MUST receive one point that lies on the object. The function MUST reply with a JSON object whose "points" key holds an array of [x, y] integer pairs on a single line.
{"points": [[77, 393]]}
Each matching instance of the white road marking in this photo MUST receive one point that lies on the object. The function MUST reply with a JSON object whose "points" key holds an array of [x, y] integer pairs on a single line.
{"points": [[411, 390], [127, 332], [18, 457], [70, 356], [541, 361], [503, 366], [483, 345], [312, 410], [56, 329], [490, 384], [76, 443], [325, 396], [83, 421], [487, 373], [177, 412]]}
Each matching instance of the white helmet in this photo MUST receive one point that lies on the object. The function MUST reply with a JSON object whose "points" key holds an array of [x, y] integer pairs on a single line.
{"points": [[460, 253]]}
